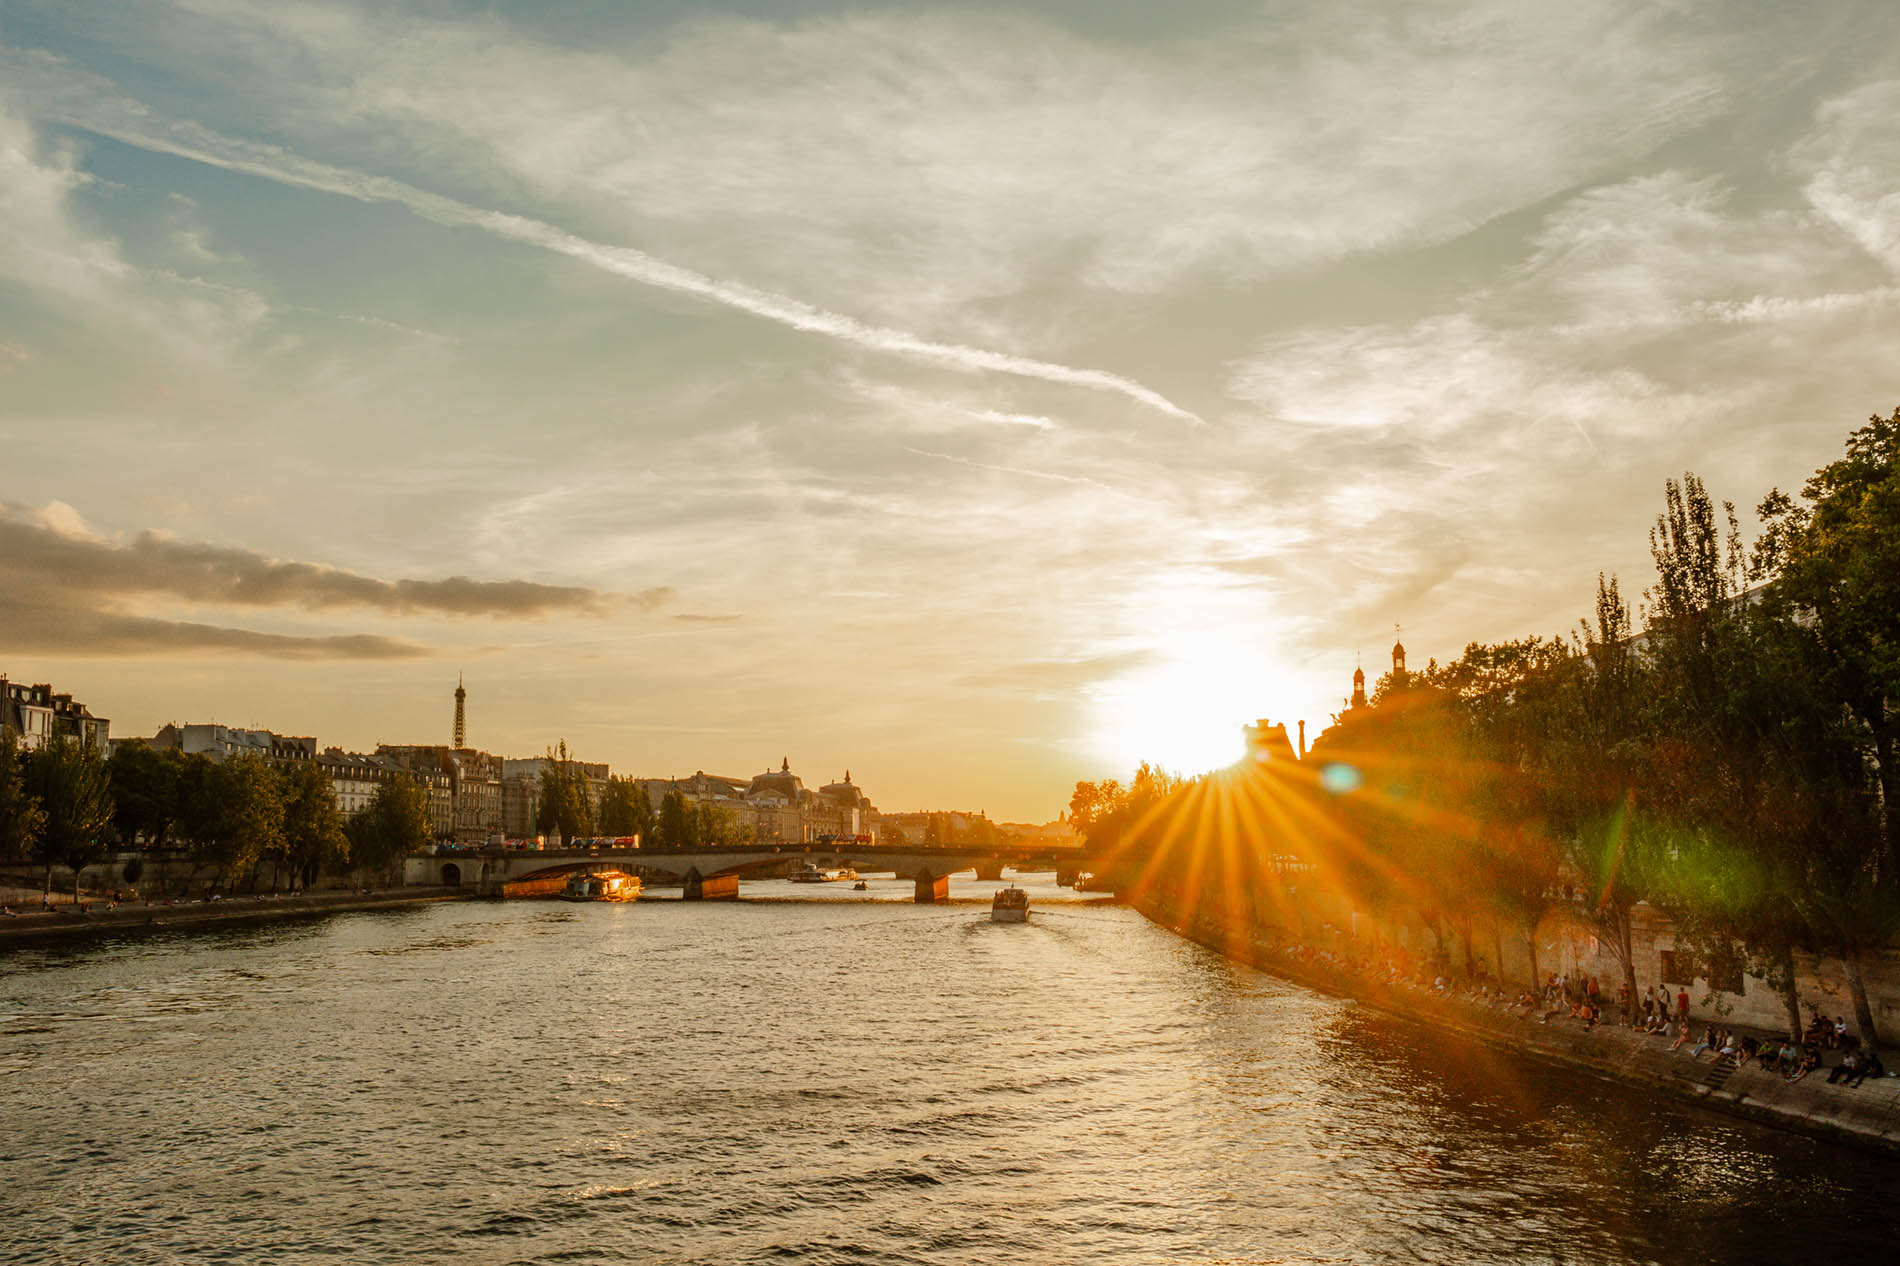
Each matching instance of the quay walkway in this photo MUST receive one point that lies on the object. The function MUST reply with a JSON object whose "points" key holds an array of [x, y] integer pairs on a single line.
{"points": [[97, 916], [1867, 1115]]}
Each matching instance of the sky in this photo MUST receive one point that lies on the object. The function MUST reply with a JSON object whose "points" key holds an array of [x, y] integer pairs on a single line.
{"points": [[975, 397]]}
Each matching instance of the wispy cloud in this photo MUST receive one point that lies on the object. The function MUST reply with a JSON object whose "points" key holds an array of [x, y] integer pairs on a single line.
{"points": [[1059, 676], [98, 110]]}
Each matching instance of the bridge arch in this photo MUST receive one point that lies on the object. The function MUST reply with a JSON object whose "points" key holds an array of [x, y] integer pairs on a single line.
{"points": [[451, 875]]}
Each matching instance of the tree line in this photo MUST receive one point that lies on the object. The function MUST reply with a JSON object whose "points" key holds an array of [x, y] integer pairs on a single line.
{"points": [[62, 804], [1726, 752], [567, 807]]}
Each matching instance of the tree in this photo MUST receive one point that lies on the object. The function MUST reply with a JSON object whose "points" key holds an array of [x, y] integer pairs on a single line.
{"points": [[68, 778], [625, 809], [199, 811], [313, 836], [21, 816], [565, 807], [145, 792], [719, 825], [396, 823], [1606, 832], [1834, 560], [245, 819], [678, 825]]}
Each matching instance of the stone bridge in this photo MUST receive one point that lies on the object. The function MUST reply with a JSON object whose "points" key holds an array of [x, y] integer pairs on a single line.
{"points": [[712, 872]]}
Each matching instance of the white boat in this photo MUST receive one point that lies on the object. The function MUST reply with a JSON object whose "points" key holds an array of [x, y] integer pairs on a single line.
{"points": [[608, 885], [806, 873], [1011, 905]]}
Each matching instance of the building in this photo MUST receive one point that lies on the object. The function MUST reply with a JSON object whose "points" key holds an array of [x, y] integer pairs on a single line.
{"points": [[521, 791], [776, 805], [36, 714], [469, 808], [355, 778], [472, 813], [221, 742]]}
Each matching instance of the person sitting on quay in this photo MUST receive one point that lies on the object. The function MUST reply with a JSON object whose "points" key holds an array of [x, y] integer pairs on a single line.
{"points": [[1809, 1060], [1870, 1066], [1731, 1047], [1682, 1034], [1710, 1041], [1849, 1066], [1840, 1032]]}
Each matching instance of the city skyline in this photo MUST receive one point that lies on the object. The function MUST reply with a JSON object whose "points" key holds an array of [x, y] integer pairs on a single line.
{"points": [[981, 401]]}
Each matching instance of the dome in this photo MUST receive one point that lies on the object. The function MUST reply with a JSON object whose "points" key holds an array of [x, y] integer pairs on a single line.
{"points": [[846, 791], [781, 782]]}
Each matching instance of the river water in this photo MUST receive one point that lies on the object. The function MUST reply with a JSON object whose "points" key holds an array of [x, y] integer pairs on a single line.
{"points": [[821, 1080]]}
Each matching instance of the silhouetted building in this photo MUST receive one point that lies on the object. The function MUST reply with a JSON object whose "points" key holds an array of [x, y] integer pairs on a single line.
{"points": [[35, 714], [1268, 741], [776, 805], [221, 742]]}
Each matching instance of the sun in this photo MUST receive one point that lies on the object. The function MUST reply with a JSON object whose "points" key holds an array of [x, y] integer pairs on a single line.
{"points": [[1184, 712]]}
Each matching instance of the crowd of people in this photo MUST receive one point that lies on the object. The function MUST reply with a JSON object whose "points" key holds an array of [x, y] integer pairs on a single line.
{"points": [[1579, 999]]}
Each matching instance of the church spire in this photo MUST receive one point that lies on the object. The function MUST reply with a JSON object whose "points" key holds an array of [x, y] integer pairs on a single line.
{"points": [[1398, 654]]}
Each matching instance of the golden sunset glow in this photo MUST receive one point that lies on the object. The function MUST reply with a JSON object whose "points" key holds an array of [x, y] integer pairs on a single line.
{"points": [[1185, 713]]}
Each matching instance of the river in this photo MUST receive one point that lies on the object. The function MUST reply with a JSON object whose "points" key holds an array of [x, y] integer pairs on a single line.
{"points": [[823, 1080]]}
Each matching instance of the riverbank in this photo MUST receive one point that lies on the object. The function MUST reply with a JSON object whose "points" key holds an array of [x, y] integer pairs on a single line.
{"points": [[103, 917], [1866, 1116]]}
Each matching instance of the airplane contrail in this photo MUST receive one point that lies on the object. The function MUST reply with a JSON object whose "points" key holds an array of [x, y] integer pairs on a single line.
{"points": [[198, 144]]}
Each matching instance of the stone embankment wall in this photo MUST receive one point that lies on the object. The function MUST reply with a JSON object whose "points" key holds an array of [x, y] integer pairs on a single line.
{"points": [[159, 875], [1565, 942], [99, 917], [1867, 1115]]}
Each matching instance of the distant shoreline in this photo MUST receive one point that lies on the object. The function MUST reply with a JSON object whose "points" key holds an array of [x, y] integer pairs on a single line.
{"points": [[35, 926]]}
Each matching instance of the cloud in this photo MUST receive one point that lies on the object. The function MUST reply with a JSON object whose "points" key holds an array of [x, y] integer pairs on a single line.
{"points": [[941, 161], [52, 628], [1055, 677], [1852, 158], [53, 546], [85, 102]]}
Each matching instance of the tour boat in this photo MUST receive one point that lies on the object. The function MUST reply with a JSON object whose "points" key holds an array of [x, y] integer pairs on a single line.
{"points": [[806, 873], [1011, 905], [609, 885]]}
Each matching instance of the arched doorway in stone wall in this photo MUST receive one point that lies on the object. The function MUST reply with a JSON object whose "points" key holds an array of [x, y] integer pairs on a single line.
{"points": [[451, 875]]}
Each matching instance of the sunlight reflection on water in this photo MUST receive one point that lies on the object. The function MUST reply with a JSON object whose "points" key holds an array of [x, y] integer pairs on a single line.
{"points": [[826, 1080]]}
